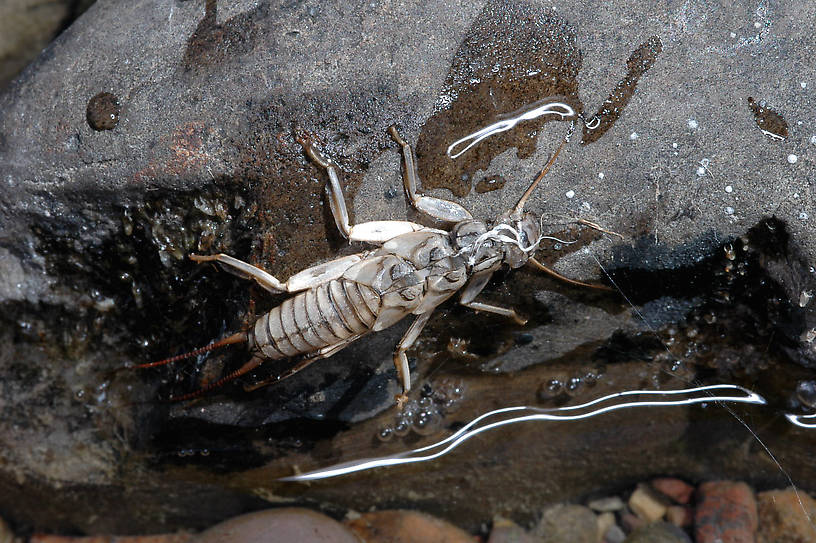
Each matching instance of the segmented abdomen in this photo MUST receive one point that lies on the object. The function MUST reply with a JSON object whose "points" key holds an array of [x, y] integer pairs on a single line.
{"points": [[321, 316]]}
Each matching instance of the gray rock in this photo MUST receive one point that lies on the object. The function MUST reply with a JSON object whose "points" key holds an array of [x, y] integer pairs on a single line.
{"points": [[96, 221], [567, 524]]}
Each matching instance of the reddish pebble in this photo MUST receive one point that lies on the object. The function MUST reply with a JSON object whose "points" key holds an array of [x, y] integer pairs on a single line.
{"points": [[786, 516], [676, 489], [398, 526], [680, 515], [726, 513], [631, 521]]}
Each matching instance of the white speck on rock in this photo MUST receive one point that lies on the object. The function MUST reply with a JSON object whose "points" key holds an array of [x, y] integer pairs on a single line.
{"points": [[601, 175], [701, 171], [732, 34], [813, 139], [692, 124], [729, 189], [792, 158], [757, 25], [803, 216], [729, 210], [570, 194], [633, 136], [803, 84], [674, 145]]}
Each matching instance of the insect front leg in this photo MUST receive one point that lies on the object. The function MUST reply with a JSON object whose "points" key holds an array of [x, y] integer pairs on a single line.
{"points": [[401, 361], [437, 208], [306, 279], [474, 287], [375, 232]]}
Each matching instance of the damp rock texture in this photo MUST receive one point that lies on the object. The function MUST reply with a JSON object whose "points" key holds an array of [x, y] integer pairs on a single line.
{"points": [[149, 131]]}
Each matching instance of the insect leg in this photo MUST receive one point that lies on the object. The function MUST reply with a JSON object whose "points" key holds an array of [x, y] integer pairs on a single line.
{"points": [[325, 352], [401, 361], [474, 287], [306, 279], [370, 232], [437, 208], [503, 311]]}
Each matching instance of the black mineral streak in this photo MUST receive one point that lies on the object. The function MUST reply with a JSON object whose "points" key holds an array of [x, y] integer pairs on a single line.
{"points": [[638, 64]]}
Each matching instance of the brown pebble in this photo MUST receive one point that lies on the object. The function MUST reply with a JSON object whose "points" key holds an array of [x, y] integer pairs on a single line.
{"points": [[631, 522], [676, 489], [507, 531], [784, 519], [726, 513], [102, 112], [680, 515], [402, 526], [284, 524]]}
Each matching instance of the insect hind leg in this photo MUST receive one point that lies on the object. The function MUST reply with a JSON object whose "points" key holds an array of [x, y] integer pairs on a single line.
{"points": [[436, 208], [375, 232]]}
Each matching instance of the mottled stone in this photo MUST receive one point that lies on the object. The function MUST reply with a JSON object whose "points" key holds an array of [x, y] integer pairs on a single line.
{"points": [[658, 532], [285, 524], [400, 526], [786, 516], [726, 513], [567, 524]]}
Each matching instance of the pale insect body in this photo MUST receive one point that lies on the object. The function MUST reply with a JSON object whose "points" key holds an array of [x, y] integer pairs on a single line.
{"points": [[414, 270]]}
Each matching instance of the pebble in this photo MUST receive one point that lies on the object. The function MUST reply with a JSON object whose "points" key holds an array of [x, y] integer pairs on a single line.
{"points": [[680, 515], [658, 532], [647, 504], [726, 512], [781, 519], [567, 524], [605, 521], [615, 534], [507, 531], [181, 537], [603, 505], [676, 489], [403, 526], [6, 535], [284, 524]]}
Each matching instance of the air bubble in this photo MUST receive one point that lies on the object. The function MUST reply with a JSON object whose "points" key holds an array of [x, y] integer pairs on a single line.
{"points": [[385, 434], [806, 392], [402, 428]]}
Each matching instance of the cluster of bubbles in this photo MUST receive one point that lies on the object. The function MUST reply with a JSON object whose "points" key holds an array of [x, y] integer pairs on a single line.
{"points": [[426, 415], [183, 453], [564, 387]]}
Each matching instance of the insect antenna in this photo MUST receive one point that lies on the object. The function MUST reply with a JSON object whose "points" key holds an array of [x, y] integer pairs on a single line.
{"points": [[519, 209], [240, 337]]}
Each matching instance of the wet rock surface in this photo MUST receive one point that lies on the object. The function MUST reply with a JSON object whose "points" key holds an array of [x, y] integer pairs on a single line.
{"points": [[712, 245]]}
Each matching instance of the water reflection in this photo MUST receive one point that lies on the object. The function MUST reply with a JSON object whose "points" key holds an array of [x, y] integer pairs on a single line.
{"points": [[725, 393], [527, 113]]}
